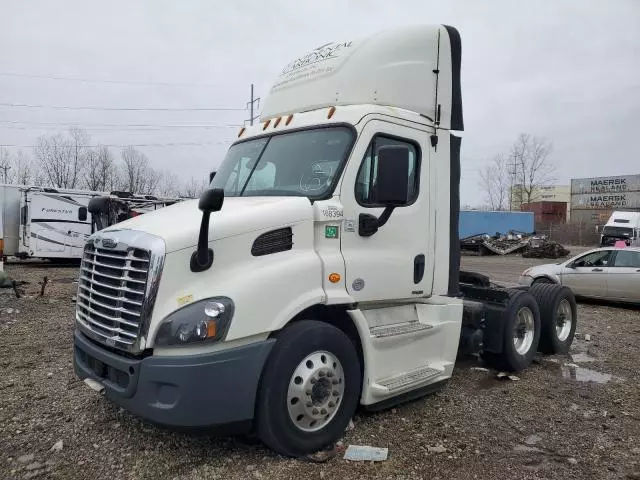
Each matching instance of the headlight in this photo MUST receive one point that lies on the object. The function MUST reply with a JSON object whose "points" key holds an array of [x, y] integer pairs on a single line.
{"points": [[200, 322]]}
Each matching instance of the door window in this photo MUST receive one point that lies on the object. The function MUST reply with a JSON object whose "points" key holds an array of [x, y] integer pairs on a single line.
{"points": [[367, 175], [627, 258], [594, 259]]}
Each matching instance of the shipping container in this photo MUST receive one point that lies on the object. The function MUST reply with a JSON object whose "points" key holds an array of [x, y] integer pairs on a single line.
{"points": [[616, 184], [547, 212], [477, 222], [606, 193]]}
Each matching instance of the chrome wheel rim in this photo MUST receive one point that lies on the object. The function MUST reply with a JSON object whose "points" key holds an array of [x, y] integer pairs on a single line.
{"points": [[316, 389], [523, 331], [564, 320]]}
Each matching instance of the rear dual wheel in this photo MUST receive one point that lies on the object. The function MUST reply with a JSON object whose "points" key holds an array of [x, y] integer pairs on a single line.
{"points": [[558, 312], [521, 333]]}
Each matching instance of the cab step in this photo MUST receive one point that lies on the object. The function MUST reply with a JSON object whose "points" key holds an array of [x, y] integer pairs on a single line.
{"points": [[403, 381], [398, 329]]}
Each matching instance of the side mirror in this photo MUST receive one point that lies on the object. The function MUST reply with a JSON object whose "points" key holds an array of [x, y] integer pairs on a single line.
{"points": [[392, 178], [210, 201], [98, 205], [391, 188]]}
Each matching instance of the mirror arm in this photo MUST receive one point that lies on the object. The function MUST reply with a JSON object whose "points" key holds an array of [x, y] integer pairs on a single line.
{"points": [[385, 215], [202, 258], [369, 224]]}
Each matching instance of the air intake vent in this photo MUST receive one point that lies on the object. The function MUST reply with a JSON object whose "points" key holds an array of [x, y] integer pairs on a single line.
{"points": [[275, 241]]}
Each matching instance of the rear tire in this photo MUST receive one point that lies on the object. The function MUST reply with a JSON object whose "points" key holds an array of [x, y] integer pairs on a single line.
{"points": [[309, 390], [521, 333], [558, 314]]}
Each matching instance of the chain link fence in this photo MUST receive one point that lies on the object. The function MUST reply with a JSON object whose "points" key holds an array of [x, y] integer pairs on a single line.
{"points": [[574, 233]]}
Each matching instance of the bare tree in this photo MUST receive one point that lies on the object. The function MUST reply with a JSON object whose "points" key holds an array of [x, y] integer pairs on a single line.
{"points": [[79, 146], [62, 158], [137, 176], [532, 167], [23, 169], [5, 165], [193, 188], [133, 170], [169, 185], [100, 169], [494, 181]]}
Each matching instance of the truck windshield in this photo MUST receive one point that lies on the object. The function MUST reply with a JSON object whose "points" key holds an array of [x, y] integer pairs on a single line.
{"points": [[617, 232], [304, 163]]}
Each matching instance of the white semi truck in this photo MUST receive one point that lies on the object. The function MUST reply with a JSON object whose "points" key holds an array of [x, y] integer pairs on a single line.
{"points": [[320, 271]]}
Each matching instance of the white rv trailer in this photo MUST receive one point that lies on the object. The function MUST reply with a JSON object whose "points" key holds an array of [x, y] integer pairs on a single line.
{"points": [[53, 223], [44, 222]]}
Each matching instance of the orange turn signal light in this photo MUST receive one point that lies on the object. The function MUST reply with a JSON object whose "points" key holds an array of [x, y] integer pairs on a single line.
{"points": [[334, 277], [332, 110], [212, 328], [289, 118], [277, 122], [266, 124], [241, 132]]}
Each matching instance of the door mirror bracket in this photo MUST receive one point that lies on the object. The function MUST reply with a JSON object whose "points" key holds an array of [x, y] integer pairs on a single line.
{"points": [[391, 189], [369, 224]]}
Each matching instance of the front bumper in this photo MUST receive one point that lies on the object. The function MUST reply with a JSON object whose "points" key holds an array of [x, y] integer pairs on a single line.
{"points": [[190, 391]]}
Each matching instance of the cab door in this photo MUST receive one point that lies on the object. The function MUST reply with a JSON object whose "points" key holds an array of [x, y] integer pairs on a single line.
{"points": [[395, 262], [587, 275], [623, 281]]}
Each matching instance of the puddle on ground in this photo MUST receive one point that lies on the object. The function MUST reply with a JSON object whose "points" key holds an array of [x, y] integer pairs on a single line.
{"points": [[580, 374], [582, 358]]}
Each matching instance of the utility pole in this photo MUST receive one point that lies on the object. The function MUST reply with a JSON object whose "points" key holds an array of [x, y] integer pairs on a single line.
{"points": [[513, 171], [252, 105]]}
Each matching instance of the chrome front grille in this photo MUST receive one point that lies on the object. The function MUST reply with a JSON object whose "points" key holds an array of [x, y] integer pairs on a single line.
{"points": [[111, 293]]}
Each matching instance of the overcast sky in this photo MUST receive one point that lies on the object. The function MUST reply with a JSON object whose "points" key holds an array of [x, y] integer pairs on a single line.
{"points": [[566, 70]]}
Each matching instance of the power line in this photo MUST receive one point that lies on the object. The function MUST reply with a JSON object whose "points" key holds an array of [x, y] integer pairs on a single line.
{"points": [[127, 109], [172, 144], [116, 125], [107, 81]]}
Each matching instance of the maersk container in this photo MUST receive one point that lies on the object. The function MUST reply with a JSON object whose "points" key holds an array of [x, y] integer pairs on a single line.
{"points": [[475, 222]]}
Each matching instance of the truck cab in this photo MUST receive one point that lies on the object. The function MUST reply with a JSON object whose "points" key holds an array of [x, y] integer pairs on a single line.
{"points": [[320, 271], [622, 226]]}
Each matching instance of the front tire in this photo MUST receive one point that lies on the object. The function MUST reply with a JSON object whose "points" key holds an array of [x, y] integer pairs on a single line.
{"points": [[309, 390], [521, 333]]}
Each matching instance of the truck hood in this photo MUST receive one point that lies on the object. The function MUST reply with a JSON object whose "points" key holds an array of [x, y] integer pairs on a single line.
{"points": [[179, 224]]}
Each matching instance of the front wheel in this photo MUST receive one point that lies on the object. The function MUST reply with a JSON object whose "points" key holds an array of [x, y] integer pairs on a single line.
{"points": [[309, 390]]}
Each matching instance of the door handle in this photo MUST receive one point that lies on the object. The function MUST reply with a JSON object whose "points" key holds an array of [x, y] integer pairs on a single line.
{"points": [[596, 270], [418, 268]]}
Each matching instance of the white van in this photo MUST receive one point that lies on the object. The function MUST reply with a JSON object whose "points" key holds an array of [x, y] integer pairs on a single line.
{"points": [[621, 226]]}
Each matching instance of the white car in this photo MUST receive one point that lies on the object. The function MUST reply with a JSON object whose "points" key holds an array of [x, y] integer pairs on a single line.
{"points": [[604, 273]]}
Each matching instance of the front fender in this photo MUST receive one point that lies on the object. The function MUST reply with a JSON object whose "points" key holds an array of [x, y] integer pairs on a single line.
{"points": [[267, 291]]}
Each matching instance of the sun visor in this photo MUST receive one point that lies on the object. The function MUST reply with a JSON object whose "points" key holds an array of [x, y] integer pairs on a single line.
{"points": [[409, 68]]}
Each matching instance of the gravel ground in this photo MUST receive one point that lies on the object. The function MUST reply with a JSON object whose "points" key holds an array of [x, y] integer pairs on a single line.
{"points": [[552, 423]]}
